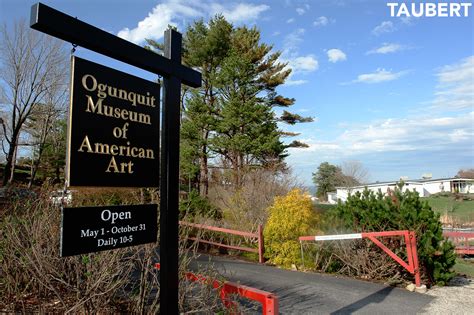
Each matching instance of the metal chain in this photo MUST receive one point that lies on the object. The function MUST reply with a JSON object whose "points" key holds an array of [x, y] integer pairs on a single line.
{"points": [[73, 50]]}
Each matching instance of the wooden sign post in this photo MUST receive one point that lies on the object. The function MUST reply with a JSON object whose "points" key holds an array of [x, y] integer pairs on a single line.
{"points": [[65, 27]]}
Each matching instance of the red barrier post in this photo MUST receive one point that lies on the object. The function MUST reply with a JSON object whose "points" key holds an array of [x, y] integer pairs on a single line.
{"points": [[416, 268], [261, 248], [409, 246], [268, 300], [270, 307]]}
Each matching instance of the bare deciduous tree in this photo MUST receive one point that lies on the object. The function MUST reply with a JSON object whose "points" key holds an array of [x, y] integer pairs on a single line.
{"points": [[355, 171], [31, 64], [41, 123], [465, 173]]}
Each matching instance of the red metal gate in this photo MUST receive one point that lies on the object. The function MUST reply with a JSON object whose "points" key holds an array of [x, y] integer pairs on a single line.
{"points": [[410, 242], [259, 236], [462, 241]]}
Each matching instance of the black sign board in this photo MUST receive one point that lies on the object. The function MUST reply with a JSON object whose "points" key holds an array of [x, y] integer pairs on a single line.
{"points": [[73, 30], [113, 128], [92, 229]]}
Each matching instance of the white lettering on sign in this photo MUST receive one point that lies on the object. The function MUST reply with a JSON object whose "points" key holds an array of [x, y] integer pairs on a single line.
{"points": [[89, 233], [89, 82], [338, 237], [109, 242], [108, 215], [429, 9]]}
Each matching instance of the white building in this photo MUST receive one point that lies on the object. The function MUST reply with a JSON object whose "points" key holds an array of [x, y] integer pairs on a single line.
{"points": [[424, 187]]}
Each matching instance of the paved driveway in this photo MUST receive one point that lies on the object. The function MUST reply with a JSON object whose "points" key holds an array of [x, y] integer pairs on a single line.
{"points": [[309, 293]]}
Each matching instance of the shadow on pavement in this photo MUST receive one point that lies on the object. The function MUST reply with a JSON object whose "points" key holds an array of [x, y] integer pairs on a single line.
{"points": [[374, 298], [313, 293]]}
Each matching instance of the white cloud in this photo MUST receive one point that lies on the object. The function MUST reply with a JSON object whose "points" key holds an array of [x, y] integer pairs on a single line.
{"points": [[291, 82], [176, 12], [386, 48], [302, 10], [407, 20], [321, 21], [239, 13], [336, 55], [415, 134], [380, 75], [460, 135], [290, 20], [298, 64], [459, 72], [384, 27], [291, 43], [455, 89], [304, 64], [306, 110], [410, 134], [318, 146], [157, 22]]}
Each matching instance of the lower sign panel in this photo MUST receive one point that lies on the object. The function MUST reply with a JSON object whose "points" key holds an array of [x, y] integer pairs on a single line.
{"points": [[93, 229]]}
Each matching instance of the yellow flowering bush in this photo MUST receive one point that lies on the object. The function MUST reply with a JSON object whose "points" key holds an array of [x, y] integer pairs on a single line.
{"points": [[290, 216]]}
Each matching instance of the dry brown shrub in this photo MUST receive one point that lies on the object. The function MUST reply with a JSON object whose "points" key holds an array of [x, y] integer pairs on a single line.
{"points": [[245, 208], [355, 258], [113, 196], [455, 222], [33, 278], [32, 267]]}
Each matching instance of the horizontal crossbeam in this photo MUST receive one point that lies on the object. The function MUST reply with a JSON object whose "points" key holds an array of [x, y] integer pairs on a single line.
{"points": [[245, 249], [65, 27], [218, 229], [337, 237]]}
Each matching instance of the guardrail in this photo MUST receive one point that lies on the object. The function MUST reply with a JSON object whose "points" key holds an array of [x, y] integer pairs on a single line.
{"points": [[462, 241], [410, 242], [268, 300], [259, 236]]}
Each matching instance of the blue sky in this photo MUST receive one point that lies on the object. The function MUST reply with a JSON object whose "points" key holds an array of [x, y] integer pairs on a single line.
{"points": [[395, 94]]}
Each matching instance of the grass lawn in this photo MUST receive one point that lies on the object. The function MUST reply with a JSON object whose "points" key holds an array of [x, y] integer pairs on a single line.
{"points": [[465, 267], [462, 211]]}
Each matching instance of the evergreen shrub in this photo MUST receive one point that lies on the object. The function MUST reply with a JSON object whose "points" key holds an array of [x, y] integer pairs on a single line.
{"points": [[397, 210]]}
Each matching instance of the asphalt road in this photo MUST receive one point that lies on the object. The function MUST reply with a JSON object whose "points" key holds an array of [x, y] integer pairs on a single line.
{"points": [[310, 293]]}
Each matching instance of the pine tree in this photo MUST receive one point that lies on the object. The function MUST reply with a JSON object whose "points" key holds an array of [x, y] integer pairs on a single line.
{"points": [[205, 47], [326, 179], [247, 133], [230, 118]]}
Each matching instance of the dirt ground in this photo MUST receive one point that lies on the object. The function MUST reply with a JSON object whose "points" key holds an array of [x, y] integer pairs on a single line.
{"points": [[456, 298]]}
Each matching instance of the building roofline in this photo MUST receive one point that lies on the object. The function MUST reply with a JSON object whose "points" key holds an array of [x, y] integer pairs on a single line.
{"points": [[413, 181]]}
